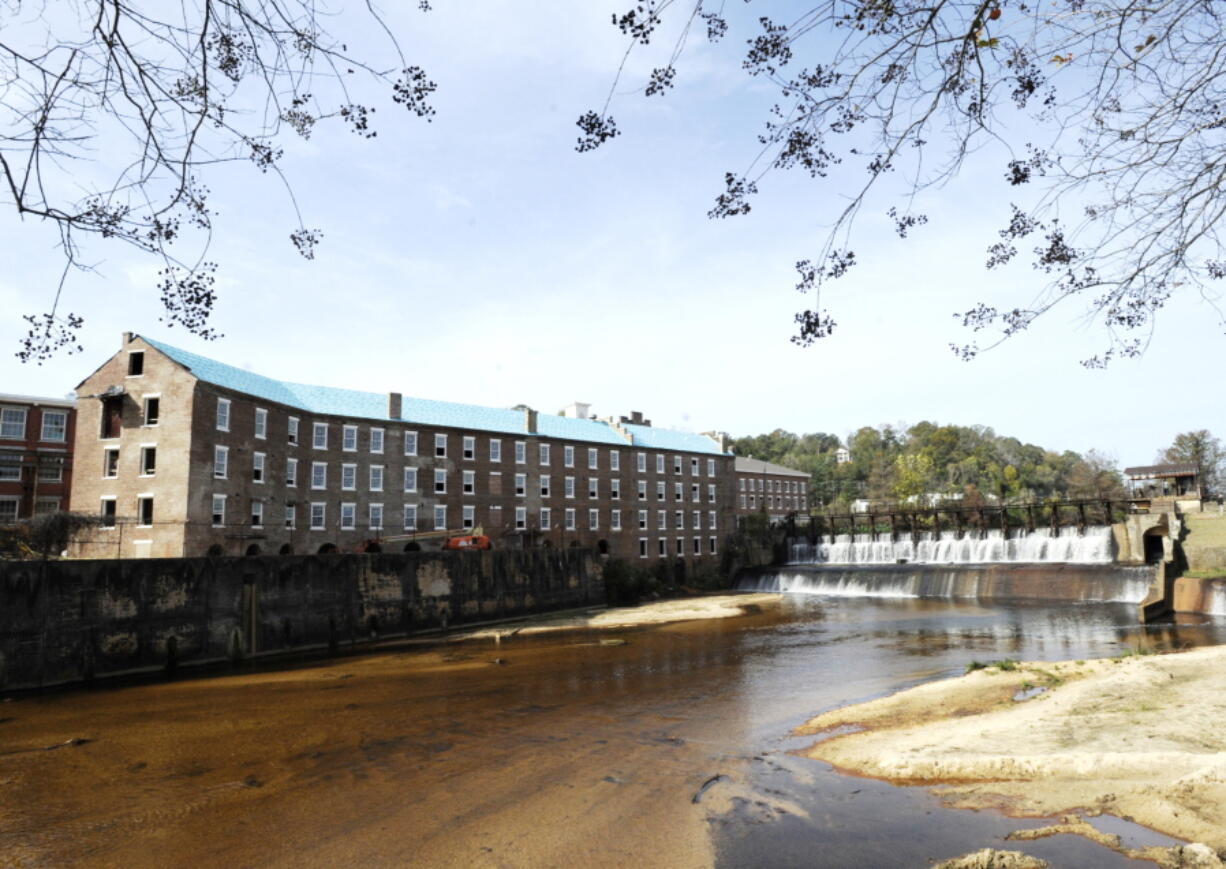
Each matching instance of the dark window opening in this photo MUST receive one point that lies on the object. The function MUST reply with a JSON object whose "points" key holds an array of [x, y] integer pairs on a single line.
{"points": [[145, 510], [603, 547], [112, 416], [148, 460], [253, 550], [108, 514], [136, 363], [151, 411], [1153, 549], [285, 549], [214, 551], [328, 549], [412, 546]]}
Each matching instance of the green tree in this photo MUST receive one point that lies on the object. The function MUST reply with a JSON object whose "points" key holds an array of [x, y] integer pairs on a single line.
{"points": [[1202, 449]]}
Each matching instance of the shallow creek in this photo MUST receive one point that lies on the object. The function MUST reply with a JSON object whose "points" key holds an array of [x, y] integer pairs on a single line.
{"points": [[669, 745]]}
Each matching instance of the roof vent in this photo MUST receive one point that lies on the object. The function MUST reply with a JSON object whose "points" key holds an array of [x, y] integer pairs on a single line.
{"points": [[576, 410]]}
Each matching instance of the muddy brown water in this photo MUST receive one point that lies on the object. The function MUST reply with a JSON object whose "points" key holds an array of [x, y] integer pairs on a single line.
{"points": [[673, 748]]}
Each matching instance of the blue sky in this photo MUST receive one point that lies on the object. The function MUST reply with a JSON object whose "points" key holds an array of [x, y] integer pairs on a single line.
{"points": [[479, 258]]}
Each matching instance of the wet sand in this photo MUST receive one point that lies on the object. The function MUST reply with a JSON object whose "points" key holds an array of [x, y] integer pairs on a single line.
{"points": [[1138, 737]]}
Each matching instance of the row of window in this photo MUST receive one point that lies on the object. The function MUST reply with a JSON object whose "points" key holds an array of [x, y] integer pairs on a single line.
{"points": [[15, 420], [468, 449], [10, 508], [788, 487], [678, 548], [783, 502], [50, 469]]}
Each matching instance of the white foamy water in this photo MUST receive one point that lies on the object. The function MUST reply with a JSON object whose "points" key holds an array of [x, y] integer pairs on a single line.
{"points": [[1041, 546]]}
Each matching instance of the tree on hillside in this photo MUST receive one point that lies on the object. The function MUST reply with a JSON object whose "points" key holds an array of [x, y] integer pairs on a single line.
{"points": [[1096, 476], [1202, 449], [171, 90], [1108, 118]]}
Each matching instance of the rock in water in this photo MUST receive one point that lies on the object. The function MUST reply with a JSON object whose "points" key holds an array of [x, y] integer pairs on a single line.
{"points": [[990, 858]]}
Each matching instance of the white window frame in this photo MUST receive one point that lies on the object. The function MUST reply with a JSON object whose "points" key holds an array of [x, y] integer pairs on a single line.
{"points": [[468, 482], [642, 490], [711, 493], [468, 448], [677, 461], [410, 443], [661, 490], [440, 445], [694, 466], [468, 516], [495, 449], [349, 477], [319, 435], [349, 438], [223, 414], [10, 471], [660, 463], [643, 520], [546, 519], [375, 475], [543, 453], [319, 509], [144, 410], [593, 487], [46, 464], [259, 467], [521, 517], [25, 421], [593, 519], [291, 430], [642, 463], [568, 487], [291, 517], [291, 473], [110, 499], [410, 479], [568, 456], [545, 480], [521, 485], [521, 453], [221, 462], [642, 547], [593, 459], [440, 481], [319, 476], [107, 452], [661, 520], [440, 517], [217, 499], [374, 517], [257, 513], [710, 467], [63, 427], [711, 518], [349, 516], [615, 489], [141, 499], [570, 519], [261, 423], [409, 516], [144, 451], [696, 520], [377, 436], [615, 520]]}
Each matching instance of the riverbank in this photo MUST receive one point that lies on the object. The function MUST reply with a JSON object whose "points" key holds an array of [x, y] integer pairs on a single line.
{"points": [[1136, 736]]}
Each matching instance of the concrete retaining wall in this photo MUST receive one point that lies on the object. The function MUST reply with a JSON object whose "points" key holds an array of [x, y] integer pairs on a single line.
{"points": [[68, 621]]}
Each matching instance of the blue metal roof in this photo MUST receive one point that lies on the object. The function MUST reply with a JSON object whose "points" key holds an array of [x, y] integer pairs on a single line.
{"points": [[424, 411]]}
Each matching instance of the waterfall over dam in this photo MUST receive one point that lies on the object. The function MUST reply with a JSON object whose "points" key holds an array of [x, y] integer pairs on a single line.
{"points": [[1041, 546]]}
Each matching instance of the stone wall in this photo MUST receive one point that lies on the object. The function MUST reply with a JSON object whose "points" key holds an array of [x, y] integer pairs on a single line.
{"points": [[70, 621]]}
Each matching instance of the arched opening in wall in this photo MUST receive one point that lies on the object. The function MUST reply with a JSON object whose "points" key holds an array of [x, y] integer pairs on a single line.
{"points": [[1154, 550], [412, 546], [213, 551], [602, 546], [548, 544], [285, 549], [252, 550], [328, 549], [374, 547], [575, 544]]}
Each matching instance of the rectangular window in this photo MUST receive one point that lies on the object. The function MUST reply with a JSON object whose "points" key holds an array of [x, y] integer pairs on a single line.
{"points": [[710, 467], [680, 545], [741, 482], [136, 363], [593, 487], [46, 506], [219, 510], [642, 463], [570, 518], [678, 492], [468, 516], [642, 490], [710, 520], [221, 462], [544, 485], [349, 438], [108, 511], [319, 435], [543, 453], [615, 460], [148, 461], [291, 517], [662, 520], [50, 469], [10, 465], [410, 443], [693, 467], [662, 547], [410, 517], [410, 479], [291, 473], [440, 481], [711, 545], [319, 475], [112, 418], [376, 478], [695, 494], [110, 465], [593, 458], [711, 492], [376, 440], [521, 484], [615, 520], [568, 456], [318, 516], [257, 514], [349, 478], [144, 511], [440, 517], [568, 487], [495, 450], [257, 467], [660, 496], [152, 406], [593, 520], [292, 430], [470, 448], [676, 464], [440, 446], [643, 520], [642, 547], [615, 489], [679, 519], [546, 520], [521, 452], [55, 426], [223, 414], [375, 512], [261, 423], [698, 546], [521, 517], [696, 520], [349, 516], [470, 482], [660, 464]]}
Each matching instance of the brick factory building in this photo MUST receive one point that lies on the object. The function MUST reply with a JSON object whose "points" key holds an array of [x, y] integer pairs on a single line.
{"points": [[763, 485], [187, 456], [36, 438]]}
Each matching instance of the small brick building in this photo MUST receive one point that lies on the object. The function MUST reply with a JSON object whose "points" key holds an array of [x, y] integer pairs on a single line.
{"points": [[36, 440], [766, 486], [187, 456]]}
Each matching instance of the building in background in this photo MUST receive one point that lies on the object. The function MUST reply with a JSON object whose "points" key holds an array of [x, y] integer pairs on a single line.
{"points": [[188, 456], [1169, 481], [766, 486], [36, 441]]}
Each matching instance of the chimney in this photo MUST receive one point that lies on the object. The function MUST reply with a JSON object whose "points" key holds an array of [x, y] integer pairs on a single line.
{"points": [[577, 410], [530, 420], [720, 438], [127, 338], [636, 417], [395, 404]]}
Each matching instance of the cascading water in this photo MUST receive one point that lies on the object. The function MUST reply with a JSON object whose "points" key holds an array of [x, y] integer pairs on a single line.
{"points": [[1041, 546]]}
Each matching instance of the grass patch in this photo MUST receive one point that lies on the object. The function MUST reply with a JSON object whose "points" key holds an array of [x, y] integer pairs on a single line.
{"points": [[1008, 665]]}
